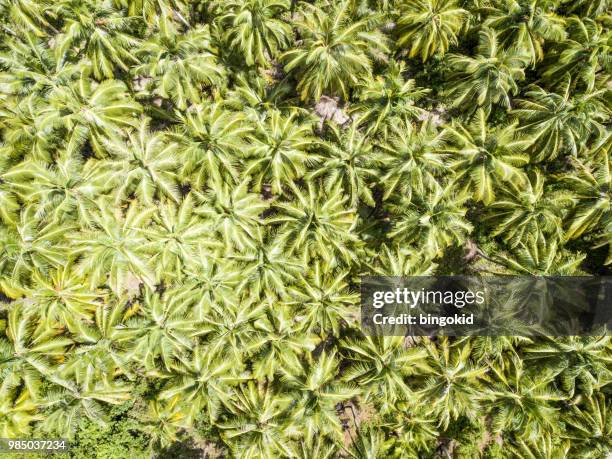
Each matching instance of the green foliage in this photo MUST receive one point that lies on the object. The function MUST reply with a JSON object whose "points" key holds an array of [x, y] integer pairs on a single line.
{"points": [[488, 79], [429, 27], [337, 51], [254, 28], [189, 192]]}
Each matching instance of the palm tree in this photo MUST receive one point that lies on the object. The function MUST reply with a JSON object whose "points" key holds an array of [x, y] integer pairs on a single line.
{"points": [[17, 411], [211, 138], [256, 422], [416, 431], [559, 123], [544, 447], [211, 280], [482, 157], [334, 53], [317, 391], [279, 150], [277, 342], [526, 25], [606, 239], [524, 401], [145, 164], [324, 303], [528, 210], [382, 365], [175, 237], [24, 133], [30, 67], [9, 206], [101, 347], [395, 260], [313, 225], [454, 385], [389, 96], [499, 349], [61, 192], [164, 331], [254, 30], [27, 16], [61, 299], [590, 424], [580, 363], [266, 269], [113, 251], [163, 14], [538, 257], [232, 213], [430, 27], [27, 355], [489, 79], [350, 159], [253, 94], [591, 184], [412, 158], [590, 8], [164, 419], [228, 328], [319, 447], [31, 245], [85, 110], [66, 405], [100, 33], [180, 65], [583, 56], [369, 443], [201, 379], [432, 221]]}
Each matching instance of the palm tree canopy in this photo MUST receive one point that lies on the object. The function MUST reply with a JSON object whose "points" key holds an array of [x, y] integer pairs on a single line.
{"points": [[335, 52], [430, 27], [193, 194]]}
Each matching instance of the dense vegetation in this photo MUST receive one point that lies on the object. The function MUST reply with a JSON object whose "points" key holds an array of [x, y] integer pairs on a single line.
{"points": [[190, 190]]}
